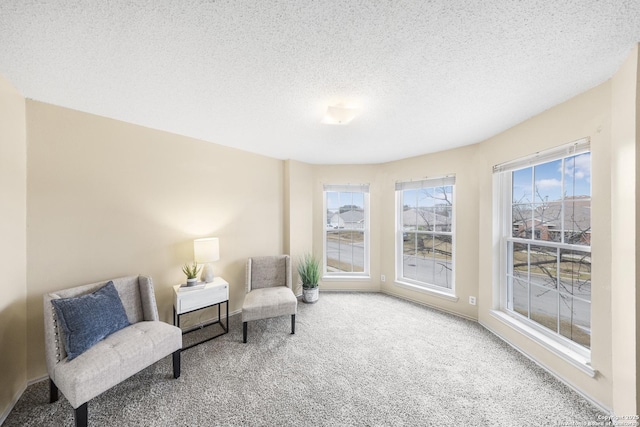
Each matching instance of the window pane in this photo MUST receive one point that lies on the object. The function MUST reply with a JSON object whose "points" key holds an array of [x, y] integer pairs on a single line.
{"points": [[575, 273], [520, 295], [577, 221], [548, 182], [345, 232], [544, 307], [335, 221], [577, 173], [409, 263], [520, 257], [410, 199], [352, 219], [443, 217], [346, 201], [547, 219], [333, 250], [522, 185], [443, 195], [544, 266], [425, 259], [409, 219], [425, 198], [442, 246], [443, 261], [427, 256], [357, 251], [425, 219], [333, 200], [522, 219], [357, 200], [426, 269], [519, 278], [349, 246], [575, 320]]}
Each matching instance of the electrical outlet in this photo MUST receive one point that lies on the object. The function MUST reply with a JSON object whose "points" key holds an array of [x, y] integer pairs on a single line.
{"points": [[382, 278], [472, 300]]}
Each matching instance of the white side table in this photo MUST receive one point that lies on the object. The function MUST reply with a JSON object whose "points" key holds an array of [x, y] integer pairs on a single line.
{"points": [[214, 293]]}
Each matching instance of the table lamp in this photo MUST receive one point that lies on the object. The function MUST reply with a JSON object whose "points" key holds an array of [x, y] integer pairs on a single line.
{"points": [[205, 252]]}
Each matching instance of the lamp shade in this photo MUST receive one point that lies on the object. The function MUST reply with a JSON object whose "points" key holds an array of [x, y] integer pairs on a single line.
{"points": [[206, 250]]}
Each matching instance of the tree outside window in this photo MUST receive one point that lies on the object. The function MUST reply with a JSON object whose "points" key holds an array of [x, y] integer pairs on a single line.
{"points": [[425, 233], [548, 246]]}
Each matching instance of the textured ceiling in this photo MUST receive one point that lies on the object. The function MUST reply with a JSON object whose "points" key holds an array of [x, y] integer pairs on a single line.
{"points": [[258, 75]]}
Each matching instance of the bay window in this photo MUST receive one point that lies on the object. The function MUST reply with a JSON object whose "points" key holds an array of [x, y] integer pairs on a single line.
{"points": [[546, 243]]}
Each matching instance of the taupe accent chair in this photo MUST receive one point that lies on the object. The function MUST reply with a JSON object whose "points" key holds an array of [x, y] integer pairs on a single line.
{"points": [[269, 291], [115, 358]]}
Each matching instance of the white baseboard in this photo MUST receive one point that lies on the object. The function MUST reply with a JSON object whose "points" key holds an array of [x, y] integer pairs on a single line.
{"points": [[14, 400], [428, 305], [37, 380]]}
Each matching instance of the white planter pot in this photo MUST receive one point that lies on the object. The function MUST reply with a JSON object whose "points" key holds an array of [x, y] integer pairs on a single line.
{"points": [[191, 282], [310, 295]]}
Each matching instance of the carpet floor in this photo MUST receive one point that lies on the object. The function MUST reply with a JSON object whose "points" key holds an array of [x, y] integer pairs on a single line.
{"points": [[357, 359]]}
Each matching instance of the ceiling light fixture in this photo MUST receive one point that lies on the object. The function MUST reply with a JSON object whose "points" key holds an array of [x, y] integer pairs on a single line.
{"points": [[339, 115]]}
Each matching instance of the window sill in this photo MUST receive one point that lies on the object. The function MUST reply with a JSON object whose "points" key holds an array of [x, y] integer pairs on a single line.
{"points": [[430, 291], [570, 356]]}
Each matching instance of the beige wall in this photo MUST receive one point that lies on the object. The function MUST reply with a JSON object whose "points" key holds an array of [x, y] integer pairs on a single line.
{"points": [[349, 174], [13, 251], [587, 115], [461, 163], [107, 199], [298, 214], [624, 203]]}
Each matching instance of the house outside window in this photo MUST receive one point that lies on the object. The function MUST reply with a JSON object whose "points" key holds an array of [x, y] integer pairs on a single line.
{"points": [[546, 243], [346, 231], [425, 235]]}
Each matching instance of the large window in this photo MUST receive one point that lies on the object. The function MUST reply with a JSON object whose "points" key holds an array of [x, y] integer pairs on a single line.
{"points": [[546, 240], [346, 230], [424, 230]]}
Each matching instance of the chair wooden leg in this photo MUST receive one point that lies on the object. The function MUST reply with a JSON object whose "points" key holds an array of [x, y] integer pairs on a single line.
{"points": [[53, 391], [244, 332], [176, 364], [293, 324], [82, 415]]}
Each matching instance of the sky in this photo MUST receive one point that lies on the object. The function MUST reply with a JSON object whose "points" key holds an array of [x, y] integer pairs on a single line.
{"points": [[548, 179], [337, 199]]}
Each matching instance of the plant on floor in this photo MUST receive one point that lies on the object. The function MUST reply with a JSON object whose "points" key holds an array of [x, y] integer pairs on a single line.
{"points": [[309, 272]]}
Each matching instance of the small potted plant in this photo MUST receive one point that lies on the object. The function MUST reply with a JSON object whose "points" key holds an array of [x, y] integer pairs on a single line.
{"points": [[191, 271], [309, 272]]}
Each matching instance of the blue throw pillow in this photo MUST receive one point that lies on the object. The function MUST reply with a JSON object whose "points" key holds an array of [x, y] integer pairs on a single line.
{"points": [[90, 318]]}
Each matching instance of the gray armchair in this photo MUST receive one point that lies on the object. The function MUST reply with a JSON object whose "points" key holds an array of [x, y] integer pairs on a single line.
{"points": [[269, 291], [115, 358]]}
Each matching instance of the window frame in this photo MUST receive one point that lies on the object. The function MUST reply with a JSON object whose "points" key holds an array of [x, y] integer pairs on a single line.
{"points": [[400, 279], [503, 187], [347, 275]]}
